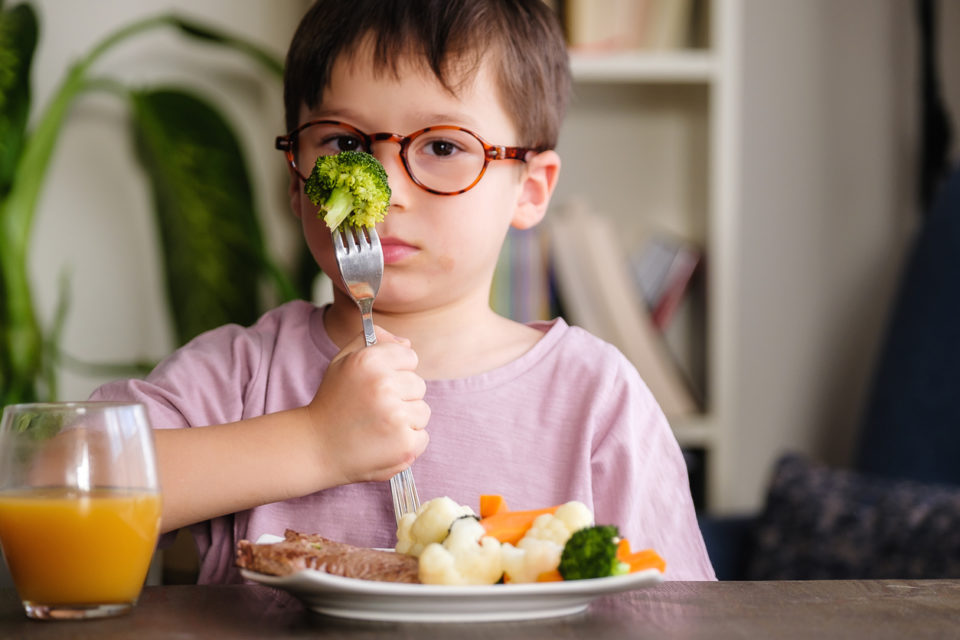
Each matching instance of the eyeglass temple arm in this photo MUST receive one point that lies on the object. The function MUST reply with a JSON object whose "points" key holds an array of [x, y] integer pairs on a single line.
{"points": [[508, 153]]}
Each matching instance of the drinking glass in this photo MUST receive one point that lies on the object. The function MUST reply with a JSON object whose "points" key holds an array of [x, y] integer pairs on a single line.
{"points": [[79, 506]]}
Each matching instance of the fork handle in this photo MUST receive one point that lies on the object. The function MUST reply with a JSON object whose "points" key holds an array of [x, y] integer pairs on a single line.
{"points": [[402, 487], [404, 492], [366, 315], [368, 333]]}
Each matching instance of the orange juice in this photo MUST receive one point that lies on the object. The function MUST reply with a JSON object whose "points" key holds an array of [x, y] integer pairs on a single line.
{"points": [[65, 546]]}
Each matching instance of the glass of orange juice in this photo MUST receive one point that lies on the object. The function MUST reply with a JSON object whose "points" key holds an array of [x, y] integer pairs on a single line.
{"points": [[79, 506]]}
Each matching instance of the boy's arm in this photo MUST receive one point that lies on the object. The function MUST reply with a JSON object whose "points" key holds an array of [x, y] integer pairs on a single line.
{"points": [[366, 422], [219, 469]]}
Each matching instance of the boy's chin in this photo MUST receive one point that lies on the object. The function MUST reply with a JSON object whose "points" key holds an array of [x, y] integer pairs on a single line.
{"points": [[399, 307]]}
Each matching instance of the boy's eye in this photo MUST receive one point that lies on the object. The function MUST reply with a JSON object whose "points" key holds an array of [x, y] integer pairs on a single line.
{"points": [[340, 142], [438, 148], [324, 139], [441, 148]]}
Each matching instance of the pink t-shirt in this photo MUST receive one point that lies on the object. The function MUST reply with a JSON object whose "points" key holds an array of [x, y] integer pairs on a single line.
{"points": [[568, 420]]}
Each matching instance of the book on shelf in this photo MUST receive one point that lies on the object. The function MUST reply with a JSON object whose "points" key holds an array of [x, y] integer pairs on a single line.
{"points": [[670, 25], [663, 269], [604, 25], [619, 25], [597, 292]]}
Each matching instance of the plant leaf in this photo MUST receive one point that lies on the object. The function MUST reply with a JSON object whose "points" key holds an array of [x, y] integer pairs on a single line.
{"points": [[203, 32], [19, 334], [212, 245], [18, 40]]}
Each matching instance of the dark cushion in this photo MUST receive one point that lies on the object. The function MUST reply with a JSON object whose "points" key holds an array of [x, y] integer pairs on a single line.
{"points": [[823, 523]]}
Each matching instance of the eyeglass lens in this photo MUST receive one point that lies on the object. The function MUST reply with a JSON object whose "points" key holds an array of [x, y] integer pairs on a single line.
{"points": [[440, 159]]}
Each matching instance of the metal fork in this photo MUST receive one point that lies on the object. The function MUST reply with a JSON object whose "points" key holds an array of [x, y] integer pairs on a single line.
{"points": [[360, 258]]}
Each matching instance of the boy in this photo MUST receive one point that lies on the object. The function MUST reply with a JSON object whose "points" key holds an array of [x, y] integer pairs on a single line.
{"points": [[306, 425]]}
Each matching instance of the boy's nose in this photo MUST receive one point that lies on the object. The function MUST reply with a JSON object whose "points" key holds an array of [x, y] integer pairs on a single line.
{"points": [[388, 153]]}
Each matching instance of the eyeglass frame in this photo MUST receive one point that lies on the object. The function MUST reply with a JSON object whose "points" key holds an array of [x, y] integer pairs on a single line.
{"points": [[491, 152]]}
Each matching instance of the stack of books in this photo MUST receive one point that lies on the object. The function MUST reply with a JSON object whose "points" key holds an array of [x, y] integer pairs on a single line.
{"points": [[597, 291]]}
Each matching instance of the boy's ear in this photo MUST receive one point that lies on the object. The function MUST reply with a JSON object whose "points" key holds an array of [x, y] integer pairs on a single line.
{"points": [[538, 183]]}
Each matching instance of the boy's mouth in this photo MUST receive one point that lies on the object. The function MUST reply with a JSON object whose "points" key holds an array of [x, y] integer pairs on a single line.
{"points": [[395, 249]]}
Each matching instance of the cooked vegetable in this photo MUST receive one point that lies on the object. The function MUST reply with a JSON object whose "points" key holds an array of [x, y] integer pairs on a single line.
{"points": [[350, 186], [492, 505], [466, 556], [550, 576], [510, 526], [592, 553], [639, 560], [561, 524], [429, 524], [529, 559], [537, 545], [538, 552], [469, 516]]}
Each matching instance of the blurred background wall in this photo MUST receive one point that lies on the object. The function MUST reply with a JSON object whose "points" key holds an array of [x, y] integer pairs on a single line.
{"points": [[94, 219], [830, 152], [829, 142]]}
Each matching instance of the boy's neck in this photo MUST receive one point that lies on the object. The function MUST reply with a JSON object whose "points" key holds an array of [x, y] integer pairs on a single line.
{"points": [[438, 336]]}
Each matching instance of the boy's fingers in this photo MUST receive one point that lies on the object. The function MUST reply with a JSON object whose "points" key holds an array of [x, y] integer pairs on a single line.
{"points": [[423, 439], [411, 386], [383, 336], [420, 412]]}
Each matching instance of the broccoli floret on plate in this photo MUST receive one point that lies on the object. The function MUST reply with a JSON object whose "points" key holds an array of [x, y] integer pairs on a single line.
{"points": [[592, 553]]}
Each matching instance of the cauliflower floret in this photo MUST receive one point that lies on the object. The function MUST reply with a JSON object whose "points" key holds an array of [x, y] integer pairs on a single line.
{"points": [[559, 526], [465, 557], [541, 546], [430, 524], [531, 557]]}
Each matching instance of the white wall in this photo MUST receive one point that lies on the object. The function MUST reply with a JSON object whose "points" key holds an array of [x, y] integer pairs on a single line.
{"points": [[830, 156], [94, 219]]}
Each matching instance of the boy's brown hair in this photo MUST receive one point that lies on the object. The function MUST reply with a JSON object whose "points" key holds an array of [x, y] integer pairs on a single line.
{"points": [[521, 38]]}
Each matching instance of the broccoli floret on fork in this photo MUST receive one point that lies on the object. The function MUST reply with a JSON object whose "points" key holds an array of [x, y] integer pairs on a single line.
{"points": [[350, 187]]}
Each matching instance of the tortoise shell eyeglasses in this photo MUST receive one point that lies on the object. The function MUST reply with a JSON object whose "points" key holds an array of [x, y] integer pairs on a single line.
{"points": [[443, 159]]}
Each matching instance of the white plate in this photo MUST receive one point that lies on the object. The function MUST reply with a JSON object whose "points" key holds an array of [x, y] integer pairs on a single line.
{"points": [[370, 600]]}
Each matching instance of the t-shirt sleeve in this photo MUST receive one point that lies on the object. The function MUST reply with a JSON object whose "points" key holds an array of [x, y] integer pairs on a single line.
{"points": [[207, 381], [640, 478]]}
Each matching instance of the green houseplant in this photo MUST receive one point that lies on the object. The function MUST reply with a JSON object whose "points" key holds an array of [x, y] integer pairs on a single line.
{"points": [[215, 262]]}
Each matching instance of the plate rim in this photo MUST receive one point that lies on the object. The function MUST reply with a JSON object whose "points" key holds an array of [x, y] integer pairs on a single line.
{"points": [[357, 599], [341, 584]]}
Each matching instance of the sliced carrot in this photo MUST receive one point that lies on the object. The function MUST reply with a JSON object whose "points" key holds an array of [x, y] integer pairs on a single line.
{"points": [[646, 559], [550, 576], [509, 526], [491, 505], [639, 560]]}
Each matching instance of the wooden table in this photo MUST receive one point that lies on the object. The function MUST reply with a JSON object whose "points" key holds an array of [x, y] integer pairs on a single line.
{"points": [[716, 610]]}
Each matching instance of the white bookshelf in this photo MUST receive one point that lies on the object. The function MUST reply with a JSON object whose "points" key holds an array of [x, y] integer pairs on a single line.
{"points": [[788, 149], [649, 140], [644, 66]]}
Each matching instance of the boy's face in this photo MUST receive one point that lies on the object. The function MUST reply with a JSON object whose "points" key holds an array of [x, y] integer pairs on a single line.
{"points": [[438, 250]]}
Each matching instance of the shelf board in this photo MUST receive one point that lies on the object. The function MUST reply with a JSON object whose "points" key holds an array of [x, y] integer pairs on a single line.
{"points": [[694, 431], [686, 66]]}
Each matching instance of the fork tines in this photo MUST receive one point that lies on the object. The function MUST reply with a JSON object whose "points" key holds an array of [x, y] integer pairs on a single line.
{"points": [[351, 238]]}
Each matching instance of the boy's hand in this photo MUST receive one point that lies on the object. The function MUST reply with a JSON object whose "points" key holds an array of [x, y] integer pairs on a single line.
{"points": [[369, 414]]}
